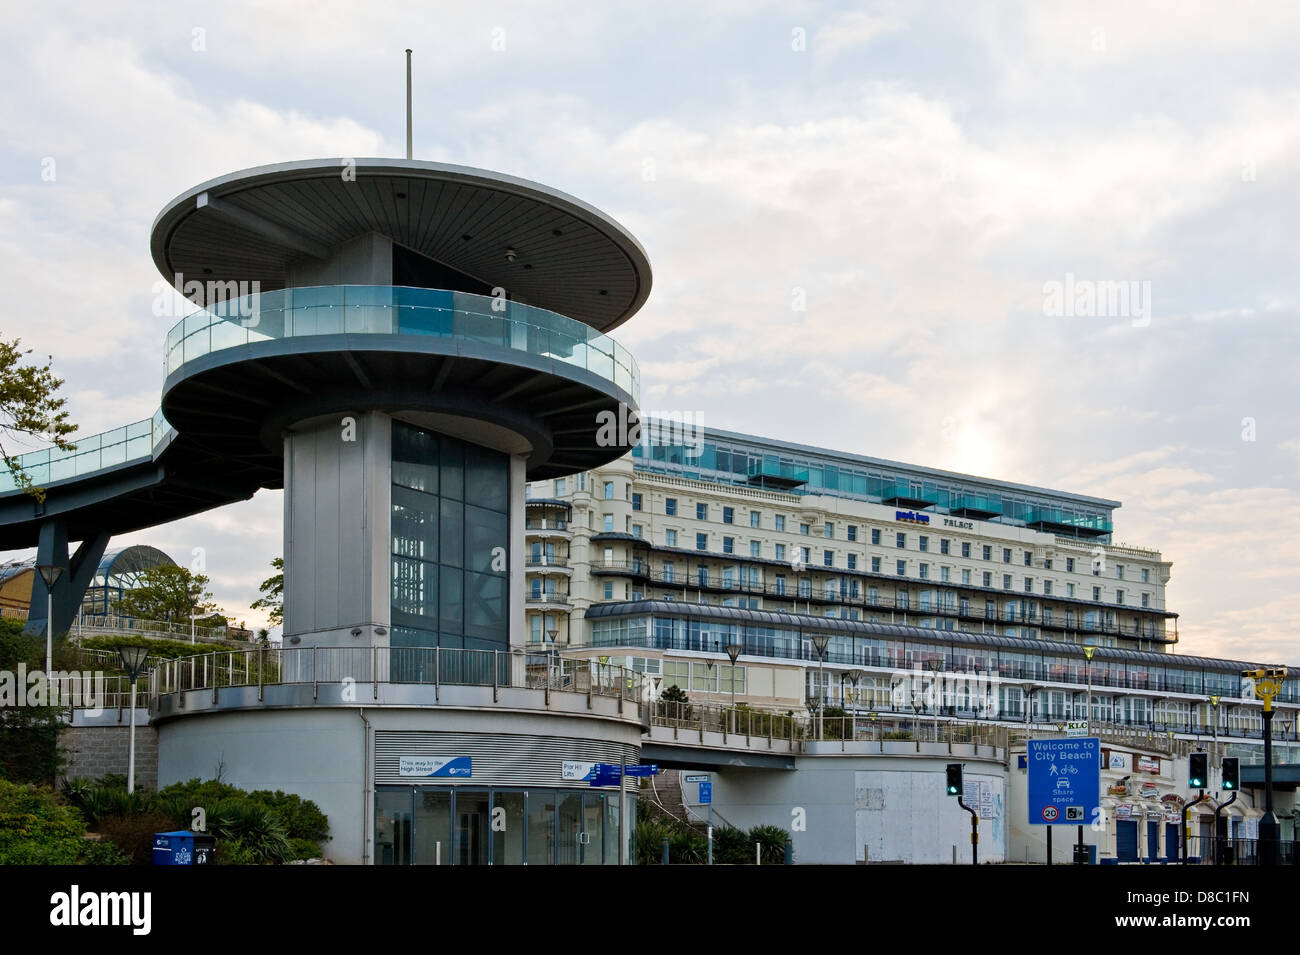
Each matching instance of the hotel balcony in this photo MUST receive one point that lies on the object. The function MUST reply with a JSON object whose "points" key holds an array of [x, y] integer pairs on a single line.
{"points": [[541, 600], [546, 564], [904, 494]]}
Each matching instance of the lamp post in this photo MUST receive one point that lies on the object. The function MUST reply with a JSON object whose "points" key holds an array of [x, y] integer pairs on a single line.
{"points": [[50, 573], [1087, 667], [934, 665], [550, 654], [733, 651], [1268, 684], [820, 641], [133, 661]]}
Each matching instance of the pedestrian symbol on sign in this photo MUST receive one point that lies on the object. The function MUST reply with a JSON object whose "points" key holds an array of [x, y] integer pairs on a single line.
{"points": [[1049, 813]]}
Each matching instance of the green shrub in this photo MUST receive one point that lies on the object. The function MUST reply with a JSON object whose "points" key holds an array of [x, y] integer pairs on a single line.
{"points": [[29, 744], [774, 840], [37, 829], [169, 649], [731, 846], [302, 818], [304, 848], [250, 831], [133, 833]]}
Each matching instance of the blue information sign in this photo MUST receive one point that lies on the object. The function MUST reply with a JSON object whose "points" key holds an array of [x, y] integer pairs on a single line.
{"points": [[646, 769], [1064, 781], [706, 793]]}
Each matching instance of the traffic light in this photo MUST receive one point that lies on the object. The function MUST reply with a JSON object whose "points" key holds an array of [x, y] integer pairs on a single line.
{"points": [[1199, 770], [1231, 774], [954, 779]]}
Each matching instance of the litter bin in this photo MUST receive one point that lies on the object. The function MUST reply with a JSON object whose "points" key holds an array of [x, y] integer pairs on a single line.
{"points": [[183, 848], [1085, 855]]}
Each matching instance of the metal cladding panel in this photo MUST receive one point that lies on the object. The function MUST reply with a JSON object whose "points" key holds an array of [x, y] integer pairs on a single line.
{"points": [[515, 760]]}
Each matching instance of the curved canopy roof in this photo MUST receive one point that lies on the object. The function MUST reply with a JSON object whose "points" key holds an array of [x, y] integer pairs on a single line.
{"points": [[131, 560], [569, 257]]}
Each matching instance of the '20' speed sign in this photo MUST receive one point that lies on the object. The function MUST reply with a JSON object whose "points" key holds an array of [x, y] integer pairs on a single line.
{"points": [[1049, 813]]}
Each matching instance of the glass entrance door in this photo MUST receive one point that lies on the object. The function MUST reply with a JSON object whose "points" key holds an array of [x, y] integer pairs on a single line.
{"points": [[472, 827], [433, 827], [593, 828], [393, 827]]}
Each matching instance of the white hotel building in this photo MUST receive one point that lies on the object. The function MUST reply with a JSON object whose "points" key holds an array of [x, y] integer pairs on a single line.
{"points": [[672, 553]]}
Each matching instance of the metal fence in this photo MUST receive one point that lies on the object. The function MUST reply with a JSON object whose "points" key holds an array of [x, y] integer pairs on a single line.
{"points": [[433, 666], [1210, 850]]}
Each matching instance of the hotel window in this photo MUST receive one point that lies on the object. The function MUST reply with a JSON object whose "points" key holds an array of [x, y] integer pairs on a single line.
{"points": [[1146, 575], [561, 487], [900, 539], [731, 679], [1069, 590], [1047, 588], [1047, 563], [670, 538], [670, 506], [828, 558], [852, 532], [943, 545], [875, 535], [965, 577], [1006, 555], [779, 520], [1006, 581], [728, 545], [803, 529], [990, 610], [805, 587], [582, 481], [1096, 593], [923, 543], [901, 568], [1146, 600], [1029, 558], [1029, 585], [701, 541], [875, 565], [609, 490], [828, 529], [873, 596], [1119, 571], [728, 515], [704, 678], [609, 523], [677, 673], [669, 570], [636, 502], [853, 561], [1119, 596], [1069, 565], [780, 585], [701, 512], [965, 548], [988, 552], [702, 576], [755, 517], [925, 571], [988, 578], [609, 590], [945, 573], [636, 530], [754, 547], [805, 555], [780, 552]]}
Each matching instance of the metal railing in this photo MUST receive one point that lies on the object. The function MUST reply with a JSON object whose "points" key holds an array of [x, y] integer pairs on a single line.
{"points": [[132, 626], [432, 666]]}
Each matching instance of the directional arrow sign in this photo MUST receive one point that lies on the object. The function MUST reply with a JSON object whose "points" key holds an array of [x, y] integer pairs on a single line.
{"points": [[1064, 781], [641, 770]]}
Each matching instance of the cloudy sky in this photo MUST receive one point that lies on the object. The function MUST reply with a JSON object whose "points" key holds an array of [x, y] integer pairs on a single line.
{"points": [[914, 176]]}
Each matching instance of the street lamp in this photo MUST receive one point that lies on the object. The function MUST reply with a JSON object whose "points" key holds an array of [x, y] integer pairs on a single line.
{"points": [[934, 665], [133, 662], [1268, 684], [50, 573], [733, 651], [1087, 666], [551, 653], [820, 641]]}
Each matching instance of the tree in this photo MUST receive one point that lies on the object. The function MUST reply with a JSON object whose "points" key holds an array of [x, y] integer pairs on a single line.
{"points": [[28, 405], [170, 593], [272, 598]]}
